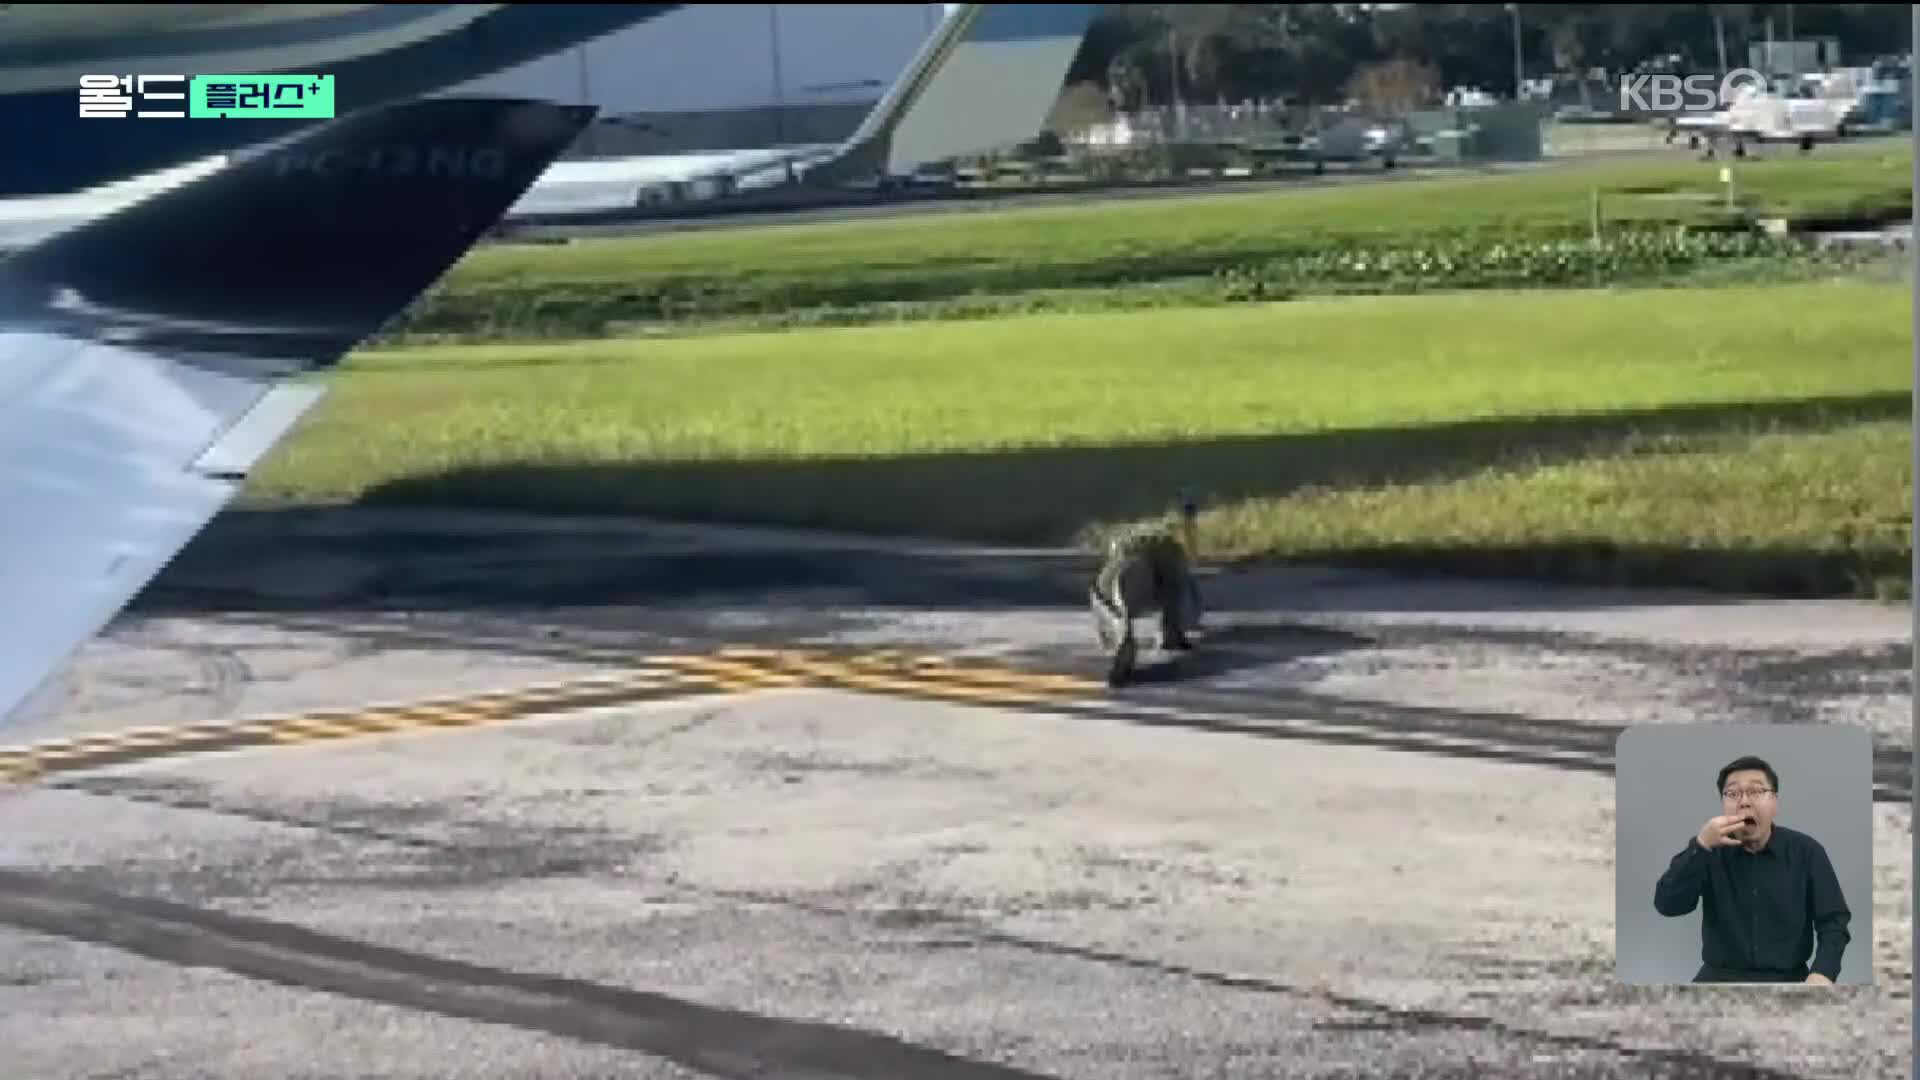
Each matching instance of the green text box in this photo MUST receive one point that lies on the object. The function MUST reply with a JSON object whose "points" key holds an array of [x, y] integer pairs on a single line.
{"points": [[261, 97]]}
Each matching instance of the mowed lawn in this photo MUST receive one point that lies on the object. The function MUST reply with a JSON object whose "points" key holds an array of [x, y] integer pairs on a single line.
{"points": [[1739, 438], [1195, 234]]}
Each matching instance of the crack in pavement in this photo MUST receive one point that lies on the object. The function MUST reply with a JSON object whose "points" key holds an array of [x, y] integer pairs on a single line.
{"points": [[1274, 713], [1383, 1015], [729, 1043], [595, 1013], [1481, 734], [177, 933], [1266, 712]]}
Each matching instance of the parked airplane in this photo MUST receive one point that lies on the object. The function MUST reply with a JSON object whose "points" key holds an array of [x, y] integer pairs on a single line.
{"points": [[1757, 116], [985, 79], [147, 357], [377, 53]]}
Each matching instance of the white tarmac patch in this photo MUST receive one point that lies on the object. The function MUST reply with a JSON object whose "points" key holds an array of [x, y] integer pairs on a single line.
{"points": [[1074, 896], [1107, 901]]}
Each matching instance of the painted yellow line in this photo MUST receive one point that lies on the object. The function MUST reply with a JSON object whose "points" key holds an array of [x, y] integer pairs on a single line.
{"points": [[381, 723], [258, 730], [1046, 682], [141, 736], [23, 764], [888, 672], [735, 673], [1035, 681], [735, 669], [311, 734], [984, 695], [994, 685]]}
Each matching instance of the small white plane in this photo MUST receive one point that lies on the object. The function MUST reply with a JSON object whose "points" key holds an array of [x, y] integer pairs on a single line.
{"points": [[1758, 116], [986, 78]]}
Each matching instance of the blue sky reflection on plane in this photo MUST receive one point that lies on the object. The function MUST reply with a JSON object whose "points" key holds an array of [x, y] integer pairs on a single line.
{"points": [[140, 345], [147, 344]]}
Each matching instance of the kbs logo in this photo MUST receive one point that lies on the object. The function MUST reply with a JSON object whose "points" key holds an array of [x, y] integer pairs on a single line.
{"points": [[1673, 93]]}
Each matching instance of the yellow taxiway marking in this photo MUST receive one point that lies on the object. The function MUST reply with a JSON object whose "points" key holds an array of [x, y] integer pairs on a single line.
{"points": [[724, 671], [896, 673], [24, 763]]}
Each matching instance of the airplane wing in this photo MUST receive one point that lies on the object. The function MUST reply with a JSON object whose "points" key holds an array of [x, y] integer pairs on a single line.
{"points": [[147, 356], [986, 79]]}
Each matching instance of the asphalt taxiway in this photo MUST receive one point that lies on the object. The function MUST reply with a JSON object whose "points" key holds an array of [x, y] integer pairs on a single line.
{"points": [[427, 794]]}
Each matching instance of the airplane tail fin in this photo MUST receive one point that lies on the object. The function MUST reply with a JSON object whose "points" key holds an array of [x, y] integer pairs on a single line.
{"points": [[298, 253], [141, 353], [986, 79]]}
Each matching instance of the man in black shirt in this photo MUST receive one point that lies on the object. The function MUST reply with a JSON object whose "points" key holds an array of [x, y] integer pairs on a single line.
{"points": [[1768, 891]]}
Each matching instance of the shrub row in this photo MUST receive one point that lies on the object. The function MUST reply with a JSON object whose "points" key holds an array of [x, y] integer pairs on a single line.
{"points": [[565, 309]]}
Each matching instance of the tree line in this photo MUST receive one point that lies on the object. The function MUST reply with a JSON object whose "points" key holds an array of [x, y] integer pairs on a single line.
{"points": [[1144, 55]]}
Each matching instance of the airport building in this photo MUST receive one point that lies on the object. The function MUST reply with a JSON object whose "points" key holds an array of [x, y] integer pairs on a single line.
{"points": [[729, 77]]}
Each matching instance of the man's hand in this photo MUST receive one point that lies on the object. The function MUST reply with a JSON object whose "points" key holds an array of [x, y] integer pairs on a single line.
{"points": [[1819, 980], [1718, 831]]}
